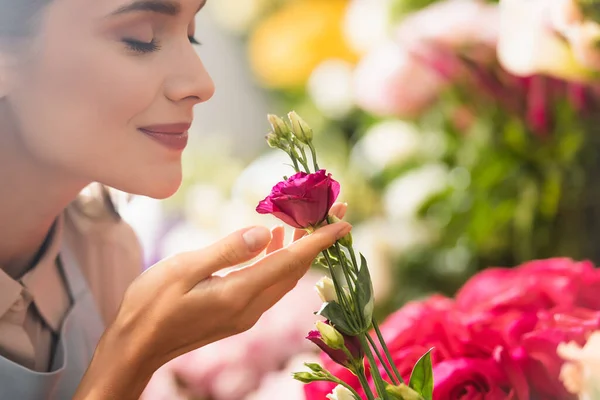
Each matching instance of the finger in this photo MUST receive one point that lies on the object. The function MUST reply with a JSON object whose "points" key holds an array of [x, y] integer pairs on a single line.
{"points": [[234, 249], [299, 234], [277, 237], [291, 262], [339, 210]]}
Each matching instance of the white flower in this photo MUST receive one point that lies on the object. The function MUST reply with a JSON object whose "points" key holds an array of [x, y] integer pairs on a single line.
{"points": [[581, 373], [326, 290], [330, 88], [527, 44], [385, 144], [340, 393], [407, 193], [564, 14], [452, 23], [584, 39], [366, 24]]}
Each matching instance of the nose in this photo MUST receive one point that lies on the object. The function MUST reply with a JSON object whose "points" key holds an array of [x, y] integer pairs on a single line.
{"points": [[189, 80]]}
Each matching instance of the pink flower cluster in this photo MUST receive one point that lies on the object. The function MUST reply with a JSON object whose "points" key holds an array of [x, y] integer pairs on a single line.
{"points": [[497, 339]]}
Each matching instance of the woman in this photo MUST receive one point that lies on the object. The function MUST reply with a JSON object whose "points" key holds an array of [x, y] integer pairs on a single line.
{"points": [[103, 91]]}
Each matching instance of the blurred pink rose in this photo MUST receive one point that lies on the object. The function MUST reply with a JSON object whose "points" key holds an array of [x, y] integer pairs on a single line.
{"points": [[541, 284], [391, 81], [406, 75], [470, 379]]}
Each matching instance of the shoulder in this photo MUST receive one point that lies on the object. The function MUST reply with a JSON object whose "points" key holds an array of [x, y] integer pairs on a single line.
{"points": [[107, 248]]}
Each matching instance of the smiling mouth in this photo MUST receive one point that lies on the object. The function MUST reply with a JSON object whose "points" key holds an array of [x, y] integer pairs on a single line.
{"points": [[172, 136]]}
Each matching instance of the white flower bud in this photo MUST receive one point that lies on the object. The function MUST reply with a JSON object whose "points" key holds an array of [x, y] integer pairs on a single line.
{"points": [[340, 393], [326, 290]]}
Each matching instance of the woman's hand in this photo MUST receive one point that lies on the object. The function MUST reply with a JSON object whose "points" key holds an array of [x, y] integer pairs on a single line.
{"points": [[179, 305]]}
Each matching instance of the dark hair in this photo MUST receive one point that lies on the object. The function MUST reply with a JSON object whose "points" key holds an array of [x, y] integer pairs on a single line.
{"points": [[19, 20]]}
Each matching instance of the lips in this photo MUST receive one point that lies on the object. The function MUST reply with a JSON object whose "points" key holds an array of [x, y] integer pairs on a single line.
{"points": [[172, 136]]}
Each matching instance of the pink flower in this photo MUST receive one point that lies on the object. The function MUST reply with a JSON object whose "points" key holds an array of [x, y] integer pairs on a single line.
{"points": [[403, 77], [470, 379], [499, 339], [303, 200], [338, 355], [541, 284], [390, 80]]}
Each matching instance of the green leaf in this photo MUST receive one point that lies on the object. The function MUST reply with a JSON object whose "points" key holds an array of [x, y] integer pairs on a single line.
{"points": [[334, 313], [365, 292], [421, 378]]}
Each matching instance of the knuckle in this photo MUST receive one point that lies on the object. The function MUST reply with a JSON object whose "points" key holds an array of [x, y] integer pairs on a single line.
{"points": [[296, 267], [229, 253]]}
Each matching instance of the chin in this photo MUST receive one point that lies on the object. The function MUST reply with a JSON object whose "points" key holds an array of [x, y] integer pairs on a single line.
{"points": [[161, 190], [156, 187]]}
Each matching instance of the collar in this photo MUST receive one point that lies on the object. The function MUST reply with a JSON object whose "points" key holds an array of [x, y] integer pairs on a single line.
{"points": [[44, 282]]}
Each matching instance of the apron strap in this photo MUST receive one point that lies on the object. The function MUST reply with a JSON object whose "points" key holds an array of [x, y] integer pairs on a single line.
{"points": [[75, 280]]}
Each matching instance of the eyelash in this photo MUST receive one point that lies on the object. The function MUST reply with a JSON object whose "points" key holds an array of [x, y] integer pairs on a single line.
{"points": [[149, 47]]}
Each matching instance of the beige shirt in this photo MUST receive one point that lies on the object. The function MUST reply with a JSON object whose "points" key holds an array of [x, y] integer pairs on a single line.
{"points": [[33, 307]]}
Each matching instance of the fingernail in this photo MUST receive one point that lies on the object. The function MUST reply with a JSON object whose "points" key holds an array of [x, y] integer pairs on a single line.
{"points": [[257, 238]]}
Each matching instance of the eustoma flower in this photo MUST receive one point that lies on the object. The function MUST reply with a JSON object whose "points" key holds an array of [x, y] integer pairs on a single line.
{"points": [[303, 200], [343, 349]]}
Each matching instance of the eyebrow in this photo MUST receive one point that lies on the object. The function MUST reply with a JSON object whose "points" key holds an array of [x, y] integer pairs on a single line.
{"points": [[166, 7]]}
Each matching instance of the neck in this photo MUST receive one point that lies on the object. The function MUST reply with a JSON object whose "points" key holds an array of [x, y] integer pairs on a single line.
{"points": [[32, 196]]}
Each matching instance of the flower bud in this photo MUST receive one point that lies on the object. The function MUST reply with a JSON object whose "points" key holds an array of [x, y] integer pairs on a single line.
{"points": [[403, 392], [300, 128], [306, 377], [314, 367], [280, 128], [341, 393], [352, 353], [330, 336], [346, 241], [326, 290], [272, 140]]}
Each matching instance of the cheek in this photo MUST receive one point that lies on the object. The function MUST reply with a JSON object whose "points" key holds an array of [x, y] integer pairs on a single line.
{"points": [[78, 106]]}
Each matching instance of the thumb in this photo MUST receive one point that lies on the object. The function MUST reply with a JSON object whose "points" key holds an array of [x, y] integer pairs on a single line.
{"points": [[232, 250]]}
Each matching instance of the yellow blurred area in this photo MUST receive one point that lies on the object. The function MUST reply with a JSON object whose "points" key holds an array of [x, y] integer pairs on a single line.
{"points": [[289, 44]]}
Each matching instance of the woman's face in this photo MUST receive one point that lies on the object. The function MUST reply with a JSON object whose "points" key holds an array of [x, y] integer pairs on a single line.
{"points": [[107, 89]]}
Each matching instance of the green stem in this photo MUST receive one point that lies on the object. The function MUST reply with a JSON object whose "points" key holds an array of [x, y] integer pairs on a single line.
{"points": [[290, 153], [305, 159], [353, 256], [313, 153], [340, 293], [352, 285], [383, 362], [386, 351], [365, 384], [374, 370], [302, 159]]}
